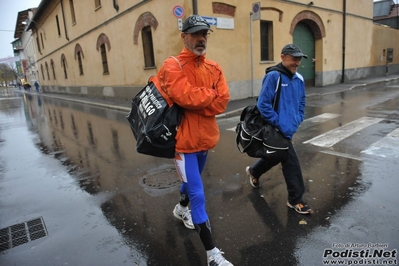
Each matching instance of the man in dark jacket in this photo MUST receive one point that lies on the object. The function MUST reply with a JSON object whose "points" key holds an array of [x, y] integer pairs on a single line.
{"points": [[290, 114]]}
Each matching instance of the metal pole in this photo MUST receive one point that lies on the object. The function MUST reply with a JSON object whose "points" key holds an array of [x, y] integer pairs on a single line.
{"points": [[195, 7], [343, 41], [252, 59]]}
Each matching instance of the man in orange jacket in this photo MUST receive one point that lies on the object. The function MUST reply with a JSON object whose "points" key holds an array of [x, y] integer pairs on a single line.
{"points": [[198, 85]]}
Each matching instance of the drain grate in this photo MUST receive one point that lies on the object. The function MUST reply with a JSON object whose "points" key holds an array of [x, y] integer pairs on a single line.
{"points": [[22, 233]]}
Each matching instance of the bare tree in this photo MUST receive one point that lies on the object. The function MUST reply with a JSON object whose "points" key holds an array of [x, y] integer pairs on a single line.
{"points": [[8, 73]]}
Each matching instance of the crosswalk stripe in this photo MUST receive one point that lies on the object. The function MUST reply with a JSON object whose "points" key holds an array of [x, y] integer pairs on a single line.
{"points": [[310, 121], [387, 146], [345, 155], [317, 119], [334, 136]]}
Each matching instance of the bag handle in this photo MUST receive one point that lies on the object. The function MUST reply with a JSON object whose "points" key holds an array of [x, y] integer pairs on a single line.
{"points": [[238, 133]]}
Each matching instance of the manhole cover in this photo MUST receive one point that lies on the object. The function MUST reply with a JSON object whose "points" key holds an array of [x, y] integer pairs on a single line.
{"points": [[22, 233], [163, 179]]}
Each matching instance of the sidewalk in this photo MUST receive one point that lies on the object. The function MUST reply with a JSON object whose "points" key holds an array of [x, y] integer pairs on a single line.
{"points": [[235, 107]]}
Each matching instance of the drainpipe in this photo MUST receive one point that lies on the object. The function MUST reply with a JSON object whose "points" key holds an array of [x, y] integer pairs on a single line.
{"points": [[195, 7], [63, 19], [343, 42]]}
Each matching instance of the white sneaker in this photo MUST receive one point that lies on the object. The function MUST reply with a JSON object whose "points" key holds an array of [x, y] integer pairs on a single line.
{"points": [[185, 216], [217, 259]]}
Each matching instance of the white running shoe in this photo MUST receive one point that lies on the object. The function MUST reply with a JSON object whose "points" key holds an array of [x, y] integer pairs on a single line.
{"points": [[185, 216], [217, 259]]}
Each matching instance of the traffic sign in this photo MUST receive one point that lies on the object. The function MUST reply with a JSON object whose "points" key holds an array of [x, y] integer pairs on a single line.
{"points": [[179, 23], [178, 11], [212, 21], [256, 11]]}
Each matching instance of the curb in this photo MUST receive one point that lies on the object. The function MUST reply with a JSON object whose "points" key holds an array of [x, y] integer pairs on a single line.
{"points": [[370, 85], [238, 111]]}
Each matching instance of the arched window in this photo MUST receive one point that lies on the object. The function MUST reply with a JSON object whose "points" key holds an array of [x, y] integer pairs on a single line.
{"points": [[144, 24], [80, 63], [41, 68], [104, 59], [79, 55], [102, 45], [148, 48], [53, 68], [64, 66], [48, 73]]}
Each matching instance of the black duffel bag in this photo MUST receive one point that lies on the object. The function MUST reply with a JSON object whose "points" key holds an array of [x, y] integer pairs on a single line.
{"points": [[259, 139]]}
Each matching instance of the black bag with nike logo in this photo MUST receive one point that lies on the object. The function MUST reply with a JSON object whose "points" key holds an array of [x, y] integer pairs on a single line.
{"points": [[256, 137]]}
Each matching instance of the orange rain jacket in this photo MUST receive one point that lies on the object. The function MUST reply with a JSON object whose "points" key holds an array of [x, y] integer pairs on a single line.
{"points": [[199, 86]]}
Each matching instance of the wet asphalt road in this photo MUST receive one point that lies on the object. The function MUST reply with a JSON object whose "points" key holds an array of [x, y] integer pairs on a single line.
{"points": [[74, 167]]}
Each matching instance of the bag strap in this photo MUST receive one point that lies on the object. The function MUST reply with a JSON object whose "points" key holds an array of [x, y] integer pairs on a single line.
{"points": [[177, 62], [278, 90]]}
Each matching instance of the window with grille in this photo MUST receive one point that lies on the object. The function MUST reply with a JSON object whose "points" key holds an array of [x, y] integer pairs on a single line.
{"points": [[64, 66], [58, 25], [41, 68], [72, 11], [53, 68], [148, 49], [104, 59], [97, 3], [48, 73], [266, 40], [80, 63], [41, 38], [38, 45]]}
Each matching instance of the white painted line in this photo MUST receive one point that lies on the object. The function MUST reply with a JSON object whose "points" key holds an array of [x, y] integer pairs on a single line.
{"points": [[385, 147], [310, 121], [317, 119], [345, 155], [322, 118], [334, 136]]}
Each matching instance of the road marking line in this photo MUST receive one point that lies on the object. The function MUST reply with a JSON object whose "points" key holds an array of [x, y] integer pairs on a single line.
{"points": [[385, 147], [334, 136], [321, 118], [345, 155], [317, 119], [310, 121]]}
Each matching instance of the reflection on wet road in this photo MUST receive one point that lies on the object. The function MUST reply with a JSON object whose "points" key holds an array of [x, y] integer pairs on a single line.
{"points": [[135, 194]]}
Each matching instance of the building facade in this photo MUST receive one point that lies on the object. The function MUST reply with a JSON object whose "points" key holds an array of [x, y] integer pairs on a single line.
{"points": [[386, 12], [110, 48], [24, 48]]}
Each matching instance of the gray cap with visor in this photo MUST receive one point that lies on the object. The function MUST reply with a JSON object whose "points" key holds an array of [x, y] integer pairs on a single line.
{"points": [[195, 23]]}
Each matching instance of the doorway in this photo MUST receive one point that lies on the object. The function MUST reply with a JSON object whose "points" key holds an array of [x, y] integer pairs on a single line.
{"points": [[304, 38]]}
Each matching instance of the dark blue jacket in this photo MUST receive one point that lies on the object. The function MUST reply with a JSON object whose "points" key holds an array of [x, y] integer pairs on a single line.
{"points": [[291, 108]]}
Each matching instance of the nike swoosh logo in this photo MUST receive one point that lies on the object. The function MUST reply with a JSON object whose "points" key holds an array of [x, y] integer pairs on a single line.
{"points": [[267, 151]]}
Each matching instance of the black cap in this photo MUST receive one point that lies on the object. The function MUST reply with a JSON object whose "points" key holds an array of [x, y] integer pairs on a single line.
{"points": [[195, 23], [293, 50]]}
